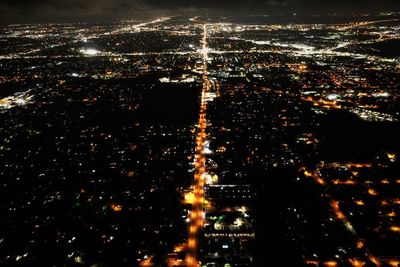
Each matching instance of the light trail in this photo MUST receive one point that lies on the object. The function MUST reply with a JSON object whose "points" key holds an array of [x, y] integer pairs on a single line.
{"points": [[196, 217]]}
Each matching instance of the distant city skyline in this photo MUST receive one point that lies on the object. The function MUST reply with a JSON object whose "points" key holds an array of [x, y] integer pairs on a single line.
{"points": [[25, 11]]}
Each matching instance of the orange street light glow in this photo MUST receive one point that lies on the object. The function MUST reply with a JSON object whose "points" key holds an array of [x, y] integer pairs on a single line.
{"points": [[374, 260], [394, 263], [116, 208], [360, 202], [339, 214], [372, 192], [192, 243], [330, 263], [395, 229], [356, 263], [311, 262], [197, 198]]}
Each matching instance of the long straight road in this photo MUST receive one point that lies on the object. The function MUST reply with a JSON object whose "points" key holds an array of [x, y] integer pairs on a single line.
{"points": [[196, 216]]}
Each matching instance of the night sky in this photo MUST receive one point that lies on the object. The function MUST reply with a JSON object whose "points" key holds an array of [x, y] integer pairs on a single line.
{"points": [[36, 10]]}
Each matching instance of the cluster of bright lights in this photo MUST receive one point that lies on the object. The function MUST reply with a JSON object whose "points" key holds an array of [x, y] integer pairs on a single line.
{"points": [[12, 101], [89, 51]]}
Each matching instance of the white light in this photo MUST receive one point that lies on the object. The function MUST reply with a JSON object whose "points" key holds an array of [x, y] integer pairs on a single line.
{"points": [[20, 101], [90, 51], [332, 96], [238, 222], [207, 151], [261, 42], [383, 94]]}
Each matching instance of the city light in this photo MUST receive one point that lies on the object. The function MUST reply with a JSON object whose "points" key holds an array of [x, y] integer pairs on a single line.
{"points": [[90, 51], [184, 140]]}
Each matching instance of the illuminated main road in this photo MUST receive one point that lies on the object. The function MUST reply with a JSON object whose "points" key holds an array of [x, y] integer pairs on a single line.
{"points": [[197, 216]]}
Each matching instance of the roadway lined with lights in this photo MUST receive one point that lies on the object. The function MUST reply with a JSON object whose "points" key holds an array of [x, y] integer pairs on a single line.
{"points": [[340, 216], [197, 216]]}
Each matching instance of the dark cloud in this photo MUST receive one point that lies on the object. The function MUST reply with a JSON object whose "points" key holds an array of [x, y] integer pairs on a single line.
{"points": [[30, 10]]}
